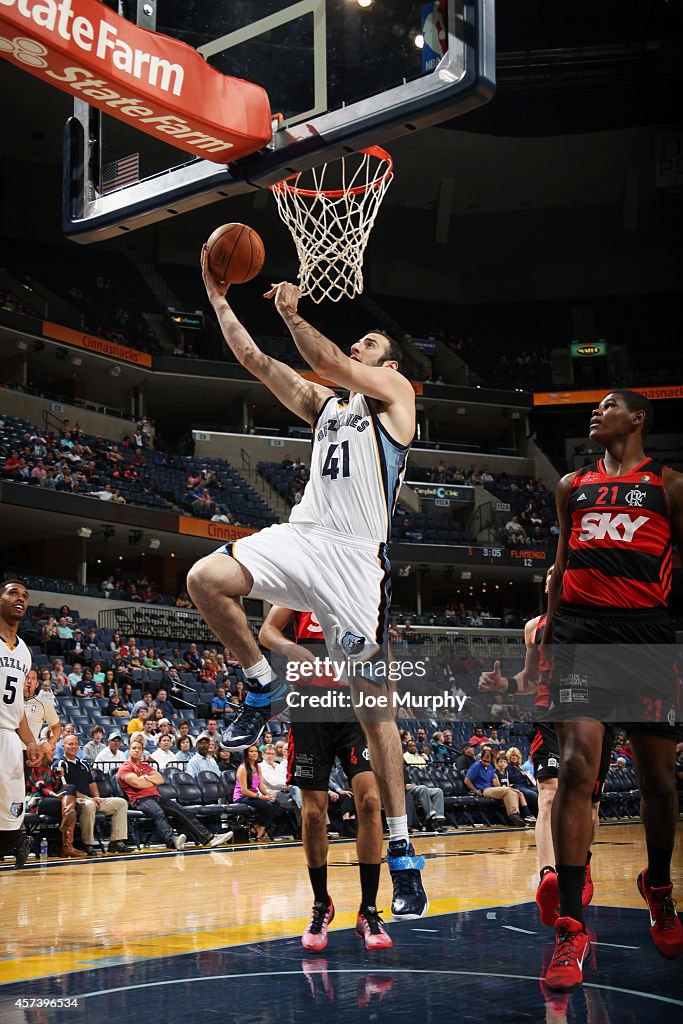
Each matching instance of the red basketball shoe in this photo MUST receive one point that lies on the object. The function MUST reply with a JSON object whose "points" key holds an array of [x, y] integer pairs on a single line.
{"points": [[572, 951], [370, 928], [548, 899], [315, 934], [665, 924]]}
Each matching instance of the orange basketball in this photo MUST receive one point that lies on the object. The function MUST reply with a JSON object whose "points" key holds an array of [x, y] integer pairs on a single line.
{"points": [[236, 253]]}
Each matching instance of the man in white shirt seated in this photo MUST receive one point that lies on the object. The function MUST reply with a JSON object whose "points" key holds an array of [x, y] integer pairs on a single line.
{"points": [[164, 755], [274, 777], [109, 759], [201, 762]]}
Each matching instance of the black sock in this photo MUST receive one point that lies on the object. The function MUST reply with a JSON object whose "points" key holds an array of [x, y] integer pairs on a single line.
{"points": [[570, 882], [318, 877], [658, 866], [588, 858], [369, 884], [544, 870]]}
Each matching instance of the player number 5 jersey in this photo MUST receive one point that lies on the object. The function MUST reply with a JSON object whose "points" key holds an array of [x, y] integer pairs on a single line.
{"points": [[15, 663], [356, 472]]}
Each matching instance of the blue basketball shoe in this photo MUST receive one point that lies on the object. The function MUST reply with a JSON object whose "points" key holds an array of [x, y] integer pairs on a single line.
{"points": [[410, 900], [262, 704]]}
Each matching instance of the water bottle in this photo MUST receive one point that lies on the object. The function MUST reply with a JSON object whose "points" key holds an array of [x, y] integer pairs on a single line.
{"points": [[43, 848]]}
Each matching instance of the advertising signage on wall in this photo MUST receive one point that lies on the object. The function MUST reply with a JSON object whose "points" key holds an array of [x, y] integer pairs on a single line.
{"points": [[443, 492], [588, 349]]}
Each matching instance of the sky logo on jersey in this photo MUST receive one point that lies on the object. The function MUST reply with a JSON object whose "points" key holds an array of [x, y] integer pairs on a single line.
{"points": [[352, 644], [599, 525]]}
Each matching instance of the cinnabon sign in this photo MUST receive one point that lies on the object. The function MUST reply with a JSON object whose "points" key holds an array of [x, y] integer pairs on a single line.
{"points": [[159, 85]]}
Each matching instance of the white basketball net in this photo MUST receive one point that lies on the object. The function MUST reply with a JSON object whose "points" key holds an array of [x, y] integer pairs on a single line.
{"points": [[331, 220]]}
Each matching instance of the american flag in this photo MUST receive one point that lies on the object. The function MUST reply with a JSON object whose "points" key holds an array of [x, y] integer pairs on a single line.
{"points": [[121, 172]]}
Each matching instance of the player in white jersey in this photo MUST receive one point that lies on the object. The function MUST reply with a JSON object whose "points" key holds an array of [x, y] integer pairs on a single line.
{"points": [[15, 662], [331, 556]]}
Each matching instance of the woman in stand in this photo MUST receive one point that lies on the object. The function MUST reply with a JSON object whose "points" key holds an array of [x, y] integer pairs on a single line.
{"points": [[249, 790]]}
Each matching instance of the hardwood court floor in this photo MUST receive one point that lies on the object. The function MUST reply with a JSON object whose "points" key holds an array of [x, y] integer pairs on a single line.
{"points": [[69, 925]]}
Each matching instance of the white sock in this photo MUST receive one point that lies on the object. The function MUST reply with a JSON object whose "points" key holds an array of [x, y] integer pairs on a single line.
{"points": [[398, 828], [261, 672]]}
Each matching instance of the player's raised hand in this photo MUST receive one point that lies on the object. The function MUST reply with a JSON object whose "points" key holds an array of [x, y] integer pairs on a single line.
{"points": [[215, 289], [286, 297], [493, 682]]}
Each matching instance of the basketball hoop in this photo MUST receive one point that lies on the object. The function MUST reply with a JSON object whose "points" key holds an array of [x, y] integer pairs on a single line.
{"points": [[331, 226]]}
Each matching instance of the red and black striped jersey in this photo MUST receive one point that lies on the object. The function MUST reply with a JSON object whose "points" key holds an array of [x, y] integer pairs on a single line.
{"points": [[620, 551], [309, 634], [541, 699], [306, 627]]}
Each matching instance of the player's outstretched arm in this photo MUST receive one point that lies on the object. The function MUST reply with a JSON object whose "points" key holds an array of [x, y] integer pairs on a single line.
{"points": [[272, 637], [327, 359], [300, 396]]}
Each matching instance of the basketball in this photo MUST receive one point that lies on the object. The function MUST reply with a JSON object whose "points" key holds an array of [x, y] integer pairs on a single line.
{"points": [[236, 253]]}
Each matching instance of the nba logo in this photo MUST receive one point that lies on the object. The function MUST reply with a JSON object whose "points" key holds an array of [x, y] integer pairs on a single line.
{"points": [[434, 34]]}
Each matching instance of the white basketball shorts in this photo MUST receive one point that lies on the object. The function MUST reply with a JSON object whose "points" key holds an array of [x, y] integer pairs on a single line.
{"points": [[345, 581], [12, 784]]}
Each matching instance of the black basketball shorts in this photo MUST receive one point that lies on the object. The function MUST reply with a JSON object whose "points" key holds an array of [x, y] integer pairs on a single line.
{"points": [[313, 747], [614, 666], [545, 756]]}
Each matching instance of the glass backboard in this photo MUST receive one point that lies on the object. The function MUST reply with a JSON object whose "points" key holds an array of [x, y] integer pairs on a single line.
{"points": [[340, 75]]}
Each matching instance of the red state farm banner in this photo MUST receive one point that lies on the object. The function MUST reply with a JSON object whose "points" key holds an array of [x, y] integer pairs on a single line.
{"points": [[156, 84]]}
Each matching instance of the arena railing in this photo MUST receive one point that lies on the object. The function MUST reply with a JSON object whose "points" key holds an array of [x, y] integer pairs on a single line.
{"points": [[182, 624]]}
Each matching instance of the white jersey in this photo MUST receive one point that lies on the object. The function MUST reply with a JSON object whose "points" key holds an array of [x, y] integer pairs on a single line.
{"points": [[40, 712], [15, 663], [356, 472]]}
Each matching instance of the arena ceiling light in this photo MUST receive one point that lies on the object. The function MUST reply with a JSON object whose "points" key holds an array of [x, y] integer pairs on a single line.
{"points": [[84, 531], [155, 543]]}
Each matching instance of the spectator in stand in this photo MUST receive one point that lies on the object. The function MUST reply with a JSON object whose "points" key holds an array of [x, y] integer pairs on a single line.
{"points": [[163, 755], [161, 700], [249, 790], [413, 756], [87, 687], [68, 730], [126, 694], [46, 793], [482, 780], [183, 601], [184, 752], [239, 694], [451, 751], [137, 722], [146, 701], [109, 759], [274, 775], [96, 744], [219, 516], [202, 761], [422, 741], [75, 677], [184, 731], [192, 659], [89, 802], [478, 737], [41, 614], [139, 780], [465, 760], [65, 634], [429, 800], [219, 704], [437, 748], [514, 533]]}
